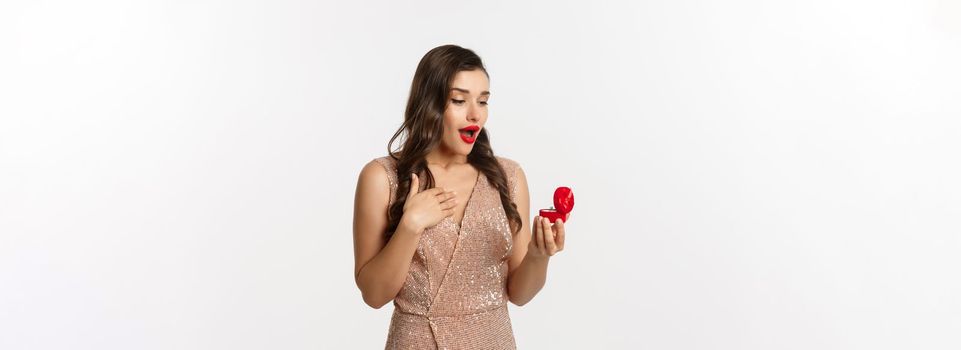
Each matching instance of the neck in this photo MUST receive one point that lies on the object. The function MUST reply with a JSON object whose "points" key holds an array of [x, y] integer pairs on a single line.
{"points": [[444, 158]]}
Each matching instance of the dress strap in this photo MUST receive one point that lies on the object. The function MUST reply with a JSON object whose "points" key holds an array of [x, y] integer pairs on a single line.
{"points": [[510, 170]]}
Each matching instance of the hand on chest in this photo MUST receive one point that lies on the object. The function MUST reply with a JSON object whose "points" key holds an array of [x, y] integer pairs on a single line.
{"points": [[462, 180]]}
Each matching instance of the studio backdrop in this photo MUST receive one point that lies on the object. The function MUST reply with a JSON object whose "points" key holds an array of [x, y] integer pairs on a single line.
{"points": [[749, 174]]}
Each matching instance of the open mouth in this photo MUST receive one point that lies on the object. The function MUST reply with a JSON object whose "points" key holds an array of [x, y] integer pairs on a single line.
{"points": [[469, 134]]}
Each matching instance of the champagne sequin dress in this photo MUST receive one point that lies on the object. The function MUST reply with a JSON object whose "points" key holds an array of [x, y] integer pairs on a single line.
{"points": [[455, 296]]}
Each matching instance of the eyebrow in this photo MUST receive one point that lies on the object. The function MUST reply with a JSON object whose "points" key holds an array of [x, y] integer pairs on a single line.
{"points": [[468, 91]]}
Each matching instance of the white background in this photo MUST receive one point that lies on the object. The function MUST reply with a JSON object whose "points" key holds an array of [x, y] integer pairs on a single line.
{"points": [[749, 174]]}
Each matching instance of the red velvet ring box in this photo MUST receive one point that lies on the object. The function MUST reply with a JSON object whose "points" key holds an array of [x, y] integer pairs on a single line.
{"points": [[563, 204]]}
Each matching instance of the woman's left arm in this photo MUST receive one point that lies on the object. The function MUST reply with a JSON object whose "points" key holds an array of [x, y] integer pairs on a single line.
{"points": [[532, 249]]}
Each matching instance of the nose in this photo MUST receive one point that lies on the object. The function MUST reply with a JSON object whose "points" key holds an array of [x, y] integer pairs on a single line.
{"points": [[472, 113]]}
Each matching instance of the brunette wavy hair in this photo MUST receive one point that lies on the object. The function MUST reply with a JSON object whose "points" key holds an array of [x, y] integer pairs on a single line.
{"points": [[423, 128]]}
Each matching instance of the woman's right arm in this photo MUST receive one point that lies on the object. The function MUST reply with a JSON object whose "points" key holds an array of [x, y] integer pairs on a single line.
{"points": [[381, 265]]}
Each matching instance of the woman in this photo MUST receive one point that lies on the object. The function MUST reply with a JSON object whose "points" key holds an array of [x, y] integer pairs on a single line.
{"points": [[440, 225]]}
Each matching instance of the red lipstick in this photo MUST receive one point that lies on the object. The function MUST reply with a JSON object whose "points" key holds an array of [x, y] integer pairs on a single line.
{"points": [[469, 133]]}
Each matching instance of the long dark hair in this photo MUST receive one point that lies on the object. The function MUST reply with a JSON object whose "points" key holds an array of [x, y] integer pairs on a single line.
{"points": [[423, 128]]}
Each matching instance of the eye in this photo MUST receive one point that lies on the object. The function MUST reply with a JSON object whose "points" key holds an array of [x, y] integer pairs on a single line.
{"points": [[457, 102], [483, 102]]}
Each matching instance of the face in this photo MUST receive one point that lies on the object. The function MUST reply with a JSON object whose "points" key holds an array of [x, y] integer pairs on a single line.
{"points": [[466, 108]]}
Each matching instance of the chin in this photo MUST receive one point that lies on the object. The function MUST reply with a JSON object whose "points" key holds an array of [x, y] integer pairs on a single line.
{"points": [[459, 148], [464, 151]]}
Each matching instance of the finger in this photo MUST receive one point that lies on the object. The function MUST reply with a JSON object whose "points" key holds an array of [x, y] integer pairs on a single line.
{"points": [[448, 204], [559, 229], [538, 233], [414, 186], [433, 191], [549, 238], [449, 212], [446, 196], [546, 228]]}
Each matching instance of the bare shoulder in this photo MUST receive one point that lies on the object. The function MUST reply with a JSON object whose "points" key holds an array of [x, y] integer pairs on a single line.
{"points": [[373, 171], [374, 168], [373, 183]]}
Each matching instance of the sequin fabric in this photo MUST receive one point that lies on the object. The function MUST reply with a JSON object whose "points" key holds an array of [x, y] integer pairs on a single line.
{"points": [[455, 296]]}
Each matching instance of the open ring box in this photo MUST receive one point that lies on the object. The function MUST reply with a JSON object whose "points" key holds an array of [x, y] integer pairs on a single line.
{"points": [[563, 204]]}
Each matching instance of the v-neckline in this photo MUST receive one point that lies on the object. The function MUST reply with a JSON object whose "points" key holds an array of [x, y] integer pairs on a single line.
{"points": [[470, 198]]}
